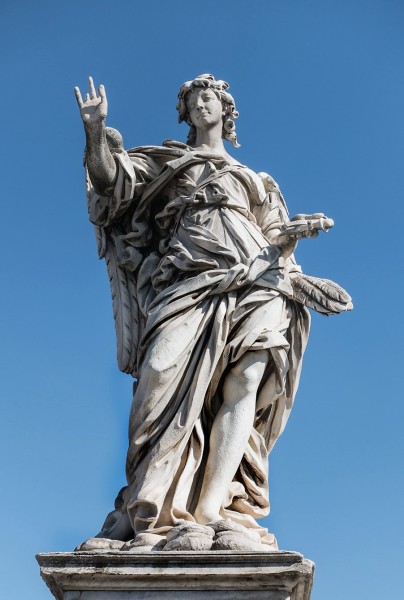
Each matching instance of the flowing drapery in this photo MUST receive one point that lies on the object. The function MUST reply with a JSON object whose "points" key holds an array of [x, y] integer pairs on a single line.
{"points": [[189, 236]]}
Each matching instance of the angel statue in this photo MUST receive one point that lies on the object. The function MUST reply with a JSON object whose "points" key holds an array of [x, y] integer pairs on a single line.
{"points": [[211, 321]]}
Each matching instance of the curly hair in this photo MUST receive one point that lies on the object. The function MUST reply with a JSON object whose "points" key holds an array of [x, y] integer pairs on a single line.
{"points": [[219, 87]]}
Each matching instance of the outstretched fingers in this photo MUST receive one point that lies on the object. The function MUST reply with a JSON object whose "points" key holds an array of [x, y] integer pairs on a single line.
{"points": [[93, 107], [93, 93], [78, 96], [101, 92]]}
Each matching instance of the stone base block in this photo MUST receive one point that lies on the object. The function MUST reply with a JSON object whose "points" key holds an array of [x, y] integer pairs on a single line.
{"points": [[220, 575]]}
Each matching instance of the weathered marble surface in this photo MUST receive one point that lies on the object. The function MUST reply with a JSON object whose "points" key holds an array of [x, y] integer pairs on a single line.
{"points": [[178, 575], [211, 317]]}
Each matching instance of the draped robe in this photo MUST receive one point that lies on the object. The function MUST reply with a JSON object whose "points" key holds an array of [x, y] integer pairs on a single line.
{"points": [[189, 234]]}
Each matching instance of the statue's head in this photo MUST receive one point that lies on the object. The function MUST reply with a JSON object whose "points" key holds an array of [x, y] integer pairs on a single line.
{"points": [[219, 87]]}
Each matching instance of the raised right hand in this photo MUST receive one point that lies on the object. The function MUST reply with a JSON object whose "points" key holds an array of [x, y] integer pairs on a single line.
{"points": [[94, 108]]}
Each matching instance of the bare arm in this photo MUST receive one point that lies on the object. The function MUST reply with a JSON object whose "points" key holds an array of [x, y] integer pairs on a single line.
{"points": [[100, 162]]}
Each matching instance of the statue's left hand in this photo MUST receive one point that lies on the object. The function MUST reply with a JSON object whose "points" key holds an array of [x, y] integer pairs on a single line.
{"points": [[301, 226]]}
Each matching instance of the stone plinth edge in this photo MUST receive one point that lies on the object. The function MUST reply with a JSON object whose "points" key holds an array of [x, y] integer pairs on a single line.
{"points": [[159, 575]]}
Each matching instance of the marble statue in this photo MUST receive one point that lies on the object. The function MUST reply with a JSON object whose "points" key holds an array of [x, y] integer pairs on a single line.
{"points": [[211, 320]]}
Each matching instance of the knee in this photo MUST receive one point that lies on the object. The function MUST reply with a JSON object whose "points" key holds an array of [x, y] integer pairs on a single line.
{"points": [[246, 375]]}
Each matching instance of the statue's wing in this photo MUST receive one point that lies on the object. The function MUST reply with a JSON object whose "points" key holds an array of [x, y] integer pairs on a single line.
{"points": [[322, 295], [122, 280], [125, 306]]}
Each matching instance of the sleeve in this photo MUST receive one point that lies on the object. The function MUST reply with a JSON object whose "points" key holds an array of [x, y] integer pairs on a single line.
{"points": [[271, 212], [134, 172]]}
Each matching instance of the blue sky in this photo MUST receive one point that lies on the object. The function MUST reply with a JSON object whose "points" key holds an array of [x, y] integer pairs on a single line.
{"points": [[320, 90]]}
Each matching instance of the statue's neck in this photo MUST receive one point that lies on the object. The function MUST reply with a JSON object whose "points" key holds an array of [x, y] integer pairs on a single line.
{"points": [[210, 140]]}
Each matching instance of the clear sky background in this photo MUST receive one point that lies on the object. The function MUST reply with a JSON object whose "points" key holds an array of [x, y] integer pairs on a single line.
{"points": [[319, 85]]}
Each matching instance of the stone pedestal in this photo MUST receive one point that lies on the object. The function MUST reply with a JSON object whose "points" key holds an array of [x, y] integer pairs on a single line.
{"points": [[220, 575]]}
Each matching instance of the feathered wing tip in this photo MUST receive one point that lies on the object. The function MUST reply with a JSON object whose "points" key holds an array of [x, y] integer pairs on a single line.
{"points": [[322, 295], [125, 308]]}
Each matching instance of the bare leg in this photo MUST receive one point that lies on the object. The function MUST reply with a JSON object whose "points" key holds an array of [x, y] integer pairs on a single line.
{"points": [[230, 433]]}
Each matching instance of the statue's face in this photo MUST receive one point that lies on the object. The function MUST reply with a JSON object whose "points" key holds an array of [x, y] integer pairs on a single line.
{"points": [[204, 107]]}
